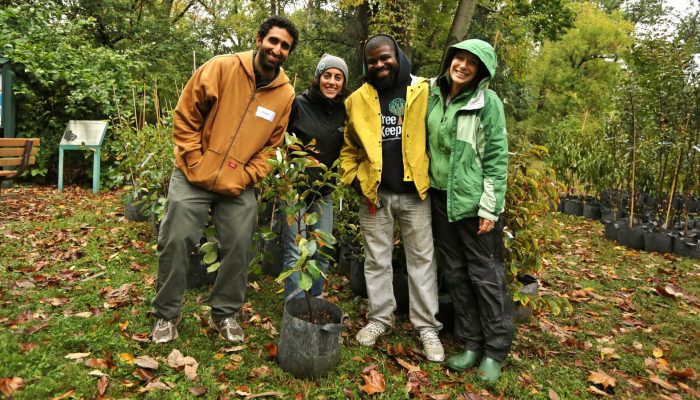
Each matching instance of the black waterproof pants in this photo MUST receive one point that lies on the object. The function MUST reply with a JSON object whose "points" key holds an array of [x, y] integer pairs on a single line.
{"points": [[476, 279]]}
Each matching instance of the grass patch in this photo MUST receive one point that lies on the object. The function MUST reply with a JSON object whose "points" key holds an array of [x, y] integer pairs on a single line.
{"points": [[78, 278]]}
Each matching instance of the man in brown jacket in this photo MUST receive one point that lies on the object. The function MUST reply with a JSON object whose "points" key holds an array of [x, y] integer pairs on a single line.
{"points": [[232, 111]]}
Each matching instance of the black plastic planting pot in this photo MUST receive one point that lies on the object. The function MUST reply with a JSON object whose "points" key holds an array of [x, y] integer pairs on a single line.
{"points": [[573, 207], [610, 229], [658, 241], [631, 237], [686, 247], [592, 211]]}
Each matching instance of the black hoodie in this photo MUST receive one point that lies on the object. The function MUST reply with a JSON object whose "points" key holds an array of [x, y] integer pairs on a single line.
{"points": [[392, 101]]}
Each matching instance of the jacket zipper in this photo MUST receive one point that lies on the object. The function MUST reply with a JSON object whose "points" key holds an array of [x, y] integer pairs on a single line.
{"points": [[233, 139]]}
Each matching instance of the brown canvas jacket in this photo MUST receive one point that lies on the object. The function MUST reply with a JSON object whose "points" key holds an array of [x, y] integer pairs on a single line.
{"points": [[224, 129]]}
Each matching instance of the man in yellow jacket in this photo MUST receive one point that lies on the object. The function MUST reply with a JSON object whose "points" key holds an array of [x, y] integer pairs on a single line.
{"points": [[231, 112], [384, 158]]}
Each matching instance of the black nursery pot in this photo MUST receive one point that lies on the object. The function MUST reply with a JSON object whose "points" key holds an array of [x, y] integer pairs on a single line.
{"points": [[631, 237], [610, 229], [658, 241], [197, 275], [686, 247], [573, 206], [592, 211]]}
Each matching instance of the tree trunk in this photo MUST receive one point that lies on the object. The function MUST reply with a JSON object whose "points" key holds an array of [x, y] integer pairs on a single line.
{"points": [[309, 13], [362, 32], [460, 23]]}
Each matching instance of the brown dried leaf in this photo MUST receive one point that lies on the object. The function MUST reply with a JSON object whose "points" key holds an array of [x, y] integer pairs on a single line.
{"points": [[102, 385], [147, 362], [96, 363], [374, 382], [348, 393], [198, 391], [441, 396], [260, 372], [144, 375], [553, 395], [682, 374], [191, 371], [601, 378], [594, 390], [664, 384], [271, 350], [10, 385], [410, 367]]}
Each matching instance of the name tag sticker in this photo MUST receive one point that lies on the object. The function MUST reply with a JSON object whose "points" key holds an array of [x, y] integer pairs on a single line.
{"points": [[263, 112]]}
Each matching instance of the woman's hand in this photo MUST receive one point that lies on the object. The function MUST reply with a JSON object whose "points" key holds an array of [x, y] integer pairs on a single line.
{"points": [[485, 225]]}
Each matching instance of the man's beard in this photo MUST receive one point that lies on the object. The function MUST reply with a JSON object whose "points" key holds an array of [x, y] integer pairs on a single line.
{"points": [[266, 63], [384, 82]]}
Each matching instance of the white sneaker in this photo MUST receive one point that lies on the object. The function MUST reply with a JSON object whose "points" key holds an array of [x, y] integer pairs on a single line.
{"points": [[432, 348], [368, 335]]}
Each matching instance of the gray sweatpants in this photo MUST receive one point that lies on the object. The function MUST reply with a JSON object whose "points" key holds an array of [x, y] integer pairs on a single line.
{"points": [[181, 229]]}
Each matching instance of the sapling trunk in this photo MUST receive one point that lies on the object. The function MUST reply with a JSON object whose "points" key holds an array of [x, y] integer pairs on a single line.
{"points": [[676, 173], [634, 160]]}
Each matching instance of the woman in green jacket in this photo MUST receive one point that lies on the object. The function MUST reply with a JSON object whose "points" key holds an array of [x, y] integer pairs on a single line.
{"points": [[468, 148]]}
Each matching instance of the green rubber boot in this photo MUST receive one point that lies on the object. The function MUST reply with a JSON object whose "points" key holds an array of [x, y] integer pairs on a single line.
{"points": [[489, 370], [460, 362]]}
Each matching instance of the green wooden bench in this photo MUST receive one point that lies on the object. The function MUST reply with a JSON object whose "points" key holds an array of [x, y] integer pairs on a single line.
{"points": [[16, 155]]}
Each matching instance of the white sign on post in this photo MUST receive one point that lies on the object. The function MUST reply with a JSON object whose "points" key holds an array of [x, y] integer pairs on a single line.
{"points": [[84, 133]]}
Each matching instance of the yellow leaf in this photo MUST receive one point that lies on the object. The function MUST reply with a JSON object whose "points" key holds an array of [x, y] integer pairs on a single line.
{"points": [[657, 352], [218, 356], [127, 358]]}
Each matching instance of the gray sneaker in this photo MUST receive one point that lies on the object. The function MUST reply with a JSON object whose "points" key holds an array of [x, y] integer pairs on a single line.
{"points": [[368, 335], [228, 329], [432, 348], [165, 330]]}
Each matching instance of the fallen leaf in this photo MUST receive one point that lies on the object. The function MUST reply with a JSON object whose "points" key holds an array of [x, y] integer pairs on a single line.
{"points": [[96, 363], [601, 378], [76, 356], [260, 371], [374, 382], [553, 395], [10, 385], [232, 349], [97, 372], [664, 384], [102, 384], [146, 362], [198, 391], [191, 371], [596, 391], [408, 366], [156, 384], [271, 350], [682, 374], [657, 352], [65, 395], [441, 396], [126, 358]]}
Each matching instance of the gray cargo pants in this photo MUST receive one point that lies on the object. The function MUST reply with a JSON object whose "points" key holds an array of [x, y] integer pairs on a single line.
{"points": [[181, 229]]}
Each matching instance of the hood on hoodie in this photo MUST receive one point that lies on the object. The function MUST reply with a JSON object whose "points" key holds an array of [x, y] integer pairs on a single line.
{"points": [[403, 75], [479, 48]]}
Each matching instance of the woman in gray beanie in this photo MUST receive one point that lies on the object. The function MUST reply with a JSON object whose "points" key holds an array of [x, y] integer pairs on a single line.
{"points": [[318, 115]]}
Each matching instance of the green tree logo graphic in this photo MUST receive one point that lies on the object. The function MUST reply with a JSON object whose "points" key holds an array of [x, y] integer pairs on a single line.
{"points": [[397, 107]]}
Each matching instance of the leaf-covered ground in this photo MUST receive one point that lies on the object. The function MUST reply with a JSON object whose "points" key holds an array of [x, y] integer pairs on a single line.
{"points": [[76, 279]]}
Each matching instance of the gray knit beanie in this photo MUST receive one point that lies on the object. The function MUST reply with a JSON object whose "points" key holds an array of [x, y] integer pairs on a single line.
{"points": [[330, 61]]}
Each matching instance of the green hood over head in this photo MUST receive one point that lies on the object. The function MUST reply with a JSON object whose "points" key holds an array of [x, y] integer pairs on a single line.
{"points": [[479, 48]]}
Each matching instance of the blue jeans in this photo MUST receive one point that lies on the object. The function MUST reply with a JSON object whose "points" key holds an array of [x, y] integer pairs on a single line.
{"points": [[290, 252]]}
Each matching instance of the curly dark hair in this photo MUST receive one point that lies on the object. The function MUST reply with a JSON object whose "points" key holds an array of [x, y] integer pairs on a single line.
{"points": [[279, 22]]}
